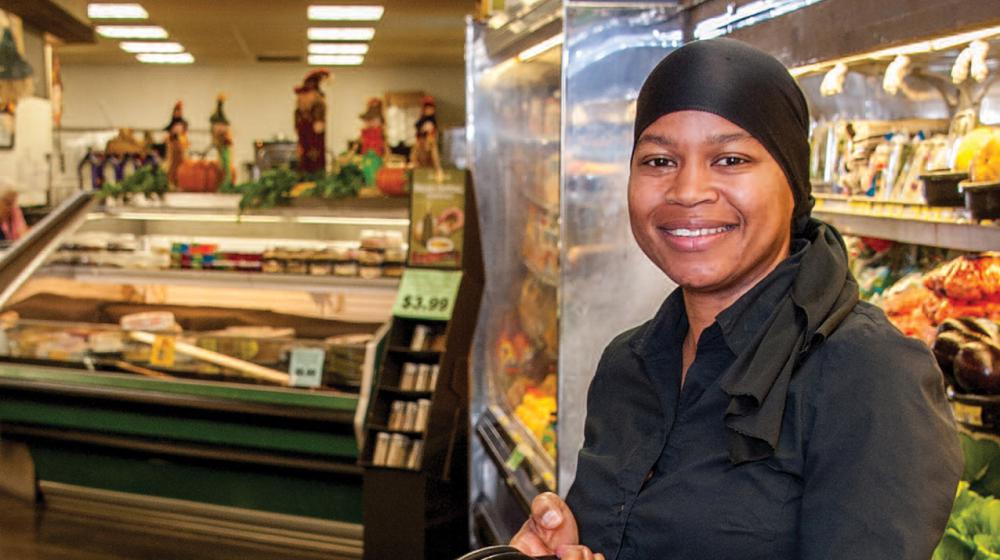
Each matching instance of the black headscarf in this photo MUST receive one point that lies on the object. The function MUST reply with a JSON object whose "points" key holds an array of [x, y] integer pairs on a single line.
{"points": [[745, 86], [754, 91]]}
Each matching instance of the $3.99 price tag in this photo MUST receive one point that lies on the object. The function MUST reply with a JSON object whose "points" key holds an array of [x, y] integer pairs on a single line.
{"points": [[427, 294]]}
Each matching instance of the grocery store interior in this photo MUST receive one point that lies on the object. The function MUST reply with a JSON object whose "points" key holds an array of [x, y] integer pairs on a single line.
{"points": [[293, 279]]}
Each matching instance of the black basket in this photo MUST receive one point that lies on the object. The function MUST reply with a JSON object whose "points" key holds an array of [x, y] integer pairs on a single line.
{"points": [[941, 188]]}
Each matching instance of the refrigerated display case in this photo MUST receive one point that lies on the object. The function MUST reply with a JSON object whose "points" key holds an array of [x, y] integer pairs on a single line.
{"points": [[245, 412], [550, 102]]}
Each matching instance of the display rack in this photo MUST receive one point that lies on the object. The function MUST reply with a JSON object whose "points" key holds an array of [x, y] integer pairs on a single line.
{"points": [[916, 224], [414, 503]]}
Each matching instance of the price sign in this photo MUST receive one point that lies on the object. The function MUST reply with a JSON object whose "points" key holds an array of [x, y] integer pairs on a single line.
{"points": [[427, 294], [306, 367], [164, 351]]}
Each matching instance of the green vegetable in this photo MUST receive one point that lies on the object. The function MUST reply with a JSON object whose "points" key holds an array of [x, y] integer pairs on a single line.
{"points": [[973, 530], [148, 180]]}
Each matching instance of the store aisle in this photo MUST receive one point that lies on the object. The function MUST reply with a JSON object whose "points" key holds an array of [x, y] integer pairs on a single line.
{"points": [[29, 533]]}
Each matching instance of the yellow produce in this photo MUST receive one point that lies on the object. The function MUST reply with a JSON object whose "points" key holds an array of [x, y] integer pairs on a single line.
{"points": [[971, 144], [986, 164]]}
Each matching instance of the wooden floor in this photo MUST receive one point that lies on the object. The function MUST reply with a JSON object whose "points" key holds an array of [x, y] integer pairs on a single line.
{"points": [[28, 532]]}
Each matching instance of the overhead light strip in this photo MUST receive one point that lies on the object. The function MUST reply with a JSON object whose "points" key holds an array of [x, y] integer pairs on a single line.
{"points": [[165, 58], [747, 15], [336, 59], [539, 48], [338, 48], [151, 47], [345, 13], [132, 31], [341, 33], [941, 43], [116, 11]]}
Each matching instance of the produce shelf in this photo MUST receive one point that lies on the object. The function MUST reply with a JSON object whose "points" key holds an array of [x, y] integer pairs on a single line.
{"points": [[916, 224], [221, 278]]}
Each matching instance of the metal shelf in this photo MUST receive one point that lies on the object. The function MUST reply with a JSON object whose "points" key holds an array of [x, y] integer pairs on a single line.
{"points": [[221, 278], [907, 223]]}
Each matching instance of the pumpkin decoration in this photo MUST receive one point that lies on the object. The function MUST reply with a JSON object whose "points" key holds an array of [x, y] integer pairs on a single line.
{"points": [[392, 178], [199, 175]]}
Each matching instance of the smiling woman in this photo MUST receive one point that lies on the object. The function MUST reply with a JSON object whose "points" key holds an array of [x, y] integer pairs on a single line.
{"points": [[764, 413]]}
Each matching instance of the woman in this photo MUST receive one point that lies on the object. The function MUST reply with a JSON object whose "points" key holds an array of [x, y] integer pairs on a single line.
{"points": [[764, 412]]}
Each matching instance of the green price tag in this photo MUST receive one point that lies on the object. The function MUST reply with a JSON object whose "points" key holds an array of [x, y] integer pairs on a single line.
{"points": [[427, 294]]}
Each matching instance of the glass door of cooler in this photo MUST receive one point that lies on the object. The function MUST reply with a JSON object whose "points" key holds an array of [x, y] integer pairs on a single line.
{"points": [[516, 169], [550, 123]]}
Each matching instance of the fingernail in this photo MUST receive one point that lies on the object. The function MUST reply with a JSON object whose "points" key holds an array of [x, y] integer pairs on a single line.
{"points": [[551, 519]]}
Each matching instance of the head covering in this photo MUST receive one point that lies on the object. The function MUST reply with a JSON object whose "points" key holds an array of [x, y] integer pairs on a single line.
{"points": [[373, 110], [745, 86], [312, 80], [219, 117], [177, 117]]}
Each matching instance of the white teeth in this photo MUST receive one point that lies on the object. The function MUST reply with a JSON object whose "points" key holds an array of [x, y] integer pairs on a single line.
{"points": [[684, 232]]}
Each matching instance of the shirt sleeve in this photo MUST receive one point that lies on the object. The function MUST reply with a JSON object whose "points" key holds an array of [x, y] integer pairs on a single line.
{"points": [[882, 459]]}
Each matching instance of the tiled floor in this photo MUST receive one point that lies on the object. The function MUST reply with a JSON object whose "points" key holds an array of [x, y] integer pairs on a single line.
{"points": [[28, 532]]}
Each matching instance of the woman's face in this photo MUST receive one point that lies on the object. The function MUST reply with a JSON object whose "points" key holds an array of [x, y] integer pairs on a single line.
{"points": [[708, 204]]}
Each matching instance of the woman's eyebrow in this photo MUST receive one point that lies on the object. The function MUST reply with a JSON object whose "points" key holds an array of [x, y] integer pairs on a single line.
{"points": [[720, 139], [656, 139]]}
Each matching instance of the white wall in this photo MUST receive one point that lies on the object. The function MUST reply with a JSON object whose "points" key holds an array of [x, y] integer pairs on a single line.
{"points": [[260, 100]]}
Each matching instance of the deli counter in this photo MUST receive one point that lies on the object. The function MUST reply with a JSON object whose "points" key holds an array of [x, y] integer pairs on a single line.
{"points": [[175, 361]]}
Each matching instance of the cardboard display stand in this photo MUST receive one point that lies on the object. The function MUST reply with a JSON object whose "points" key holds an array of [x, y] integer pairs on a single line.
{"points": [[415, 453]]}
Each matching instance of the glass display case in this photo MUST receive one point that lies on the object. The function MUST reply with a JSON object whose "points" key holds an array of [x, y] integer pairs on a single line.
{"points": [[551, 101], [183, 350]]}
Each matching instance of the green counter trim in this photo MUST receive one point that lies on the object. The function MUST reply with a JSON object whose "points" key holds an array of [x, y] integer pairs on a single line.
{"points": [[336, 498], [218, 432], [235, 392]]}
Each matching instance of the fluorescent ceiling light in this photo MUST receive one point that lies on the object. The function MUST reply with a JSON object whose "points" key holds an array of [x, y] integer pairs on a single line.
{"points": [[338, 48], [132, 31], [535, 50], [116, 11], [165, 58], [346, 13], [150, 47], [341, 33], [336, 59]]}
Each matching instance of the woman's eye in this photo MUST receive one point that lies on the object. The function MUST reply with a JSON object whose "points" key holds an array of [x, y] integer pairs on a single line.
{"points": [[658, 162], [729, 161]]}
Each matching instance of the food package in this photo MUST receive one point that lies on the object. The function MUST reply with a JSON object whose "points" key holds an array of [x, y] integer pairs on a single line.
{"points": [[969, 278], [150, 321]]}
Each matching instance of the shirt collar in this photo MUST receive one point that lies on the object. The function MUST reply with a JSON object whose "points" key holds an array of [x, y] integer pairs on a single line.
{"points": [[741, 321]]}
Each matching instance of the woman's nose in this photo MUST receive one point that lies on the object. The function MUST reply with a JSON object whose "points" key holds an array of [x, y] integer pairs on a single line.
{"points": [[691, 186]]}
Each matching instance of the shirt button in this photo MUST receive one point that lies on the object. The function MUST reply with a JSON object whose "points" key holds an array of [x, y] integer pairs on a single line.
{"points": [[621, 508]]}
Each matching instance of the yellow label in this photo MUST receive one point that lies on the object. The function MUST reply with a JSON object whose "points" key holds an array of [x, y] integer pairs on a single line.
{"points": [[163, 352], [968, 414]]}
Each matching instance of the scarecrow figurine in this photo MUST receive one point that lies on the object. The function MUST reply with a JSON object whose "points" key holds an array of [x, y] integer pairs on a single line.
{"points": [[222, 141], [425, 152], [177, 142], [373, 134], [310, 122]]}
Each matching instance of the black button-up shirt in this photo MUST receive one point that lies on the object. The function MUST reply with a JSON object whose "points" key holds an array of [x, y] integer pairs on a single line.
{"points": [[865, 469]]}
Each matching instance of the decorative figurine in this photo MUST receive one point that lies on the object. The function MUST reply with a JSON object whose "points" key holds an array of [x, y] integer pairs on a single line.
{"points": [[373, 134], [310, 122], [15, 72], [222, 141], [177, 143], [425, 152]]}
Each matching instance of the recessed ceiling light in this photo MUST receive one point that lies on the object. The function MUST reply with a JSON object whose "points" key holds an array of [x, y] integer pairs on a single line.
{"points": [[151, 47], [132, 31], [341, 33], [338, 48], [346, 13], [336, 59], [116, 11], [165, 58]]}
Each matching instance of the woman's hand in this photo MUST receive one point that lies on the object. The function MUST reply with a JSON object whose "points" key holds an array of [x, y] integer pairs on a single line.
{"points": [[551, 529]]}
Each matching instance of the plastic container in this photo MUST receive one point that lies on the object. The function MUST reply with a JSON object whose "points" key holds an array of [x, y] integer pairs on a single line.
{"points": [[982, 199], [941, 187]]}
